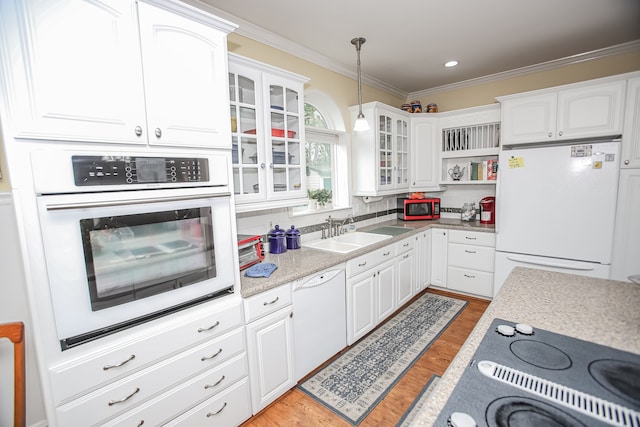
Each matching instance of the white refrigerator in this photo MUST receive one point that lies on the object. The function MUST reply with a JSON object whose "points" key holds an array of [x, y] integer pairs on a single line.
{"points": [[555, 208]]}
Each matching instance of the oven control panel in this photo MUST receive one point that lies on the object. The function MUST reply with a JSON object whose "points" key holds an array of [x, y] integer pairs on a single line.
{"points": [[122, 170]]}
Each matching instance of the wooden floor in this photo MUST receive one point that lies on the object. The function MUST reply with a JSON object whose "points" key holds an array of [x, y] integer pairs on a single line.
{"points": [[295, 408]]}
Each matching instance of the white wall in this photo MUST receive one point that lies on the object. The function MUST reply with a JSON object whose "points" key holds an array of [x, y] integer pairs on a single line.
{"points": [[13, 307]]}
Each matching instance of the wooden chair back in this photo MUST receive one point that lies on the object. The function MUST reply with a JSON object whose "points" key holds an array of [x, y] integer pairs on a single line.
{"points": [[15, 332]]}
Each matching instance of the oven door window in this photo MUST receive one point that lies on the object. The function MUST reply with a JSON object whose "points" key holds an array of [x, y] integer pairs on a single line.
{"points": [[132, 257]]}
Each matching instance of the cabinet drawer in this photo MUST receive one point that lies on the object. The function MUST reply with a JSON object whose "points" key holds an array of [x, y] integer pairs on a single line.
{"points": [[229, 408], [137, 388], [370, 260], [183, 397], [405, 245], [472, 238], [267, 302], [473, 257], [123, 357], [470, 281]]}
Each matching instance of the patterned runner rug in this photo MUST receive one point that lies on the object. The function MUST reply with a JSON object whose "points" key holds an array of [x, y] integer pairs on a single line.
{"points": [[354, 383], [413, 411]]}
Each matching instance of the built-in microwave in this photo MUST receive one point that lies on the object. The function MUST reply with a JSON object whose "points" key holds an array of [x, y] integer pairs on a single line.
{"points": [[418, 209]]}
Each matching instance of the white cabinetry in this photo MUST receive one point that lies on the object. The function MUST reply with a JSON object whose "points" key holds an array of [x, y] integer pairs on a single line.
{"points": [[439, 243], [381, 154], [120, 71], [270, 345], [425, 153], [471, 259], [138, 378], [574, 111], [267, 127], [422, 260], [378, 283], [626, 244]]}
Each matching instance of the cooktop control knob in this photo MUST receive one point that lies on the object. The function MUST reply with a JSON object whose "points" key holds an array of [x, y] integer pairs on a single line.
{"points": [[524, 329], [506, 330], [460, 419]]}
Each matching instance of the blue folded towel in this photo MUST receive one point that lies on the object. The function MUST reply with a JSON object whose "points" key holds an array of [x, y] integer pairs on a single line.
{"points": [[261, 270]]}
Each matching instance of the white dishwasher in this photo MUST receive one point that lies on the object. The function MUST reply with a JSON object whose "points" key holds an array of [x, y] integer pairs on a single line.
{"points": [[319, 319]]}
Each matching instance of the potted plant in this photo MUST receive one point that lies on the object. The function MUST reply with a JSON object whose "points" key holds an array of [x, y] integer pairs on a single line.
{"points": [[323, 196], [313, 203]]}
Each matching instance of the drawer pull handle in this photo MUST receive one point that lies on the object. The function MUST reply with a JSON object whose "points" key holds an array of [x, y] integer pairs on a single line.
{"points": [[362, 264], [406, 256], [470, 238], [386, 253], [469, 252], [405, 245], [271, 302], [140, 423], [203, 358], [107, 367], [208, 386], [469, 276], [113, 402], [211, 414], [210, 327]]}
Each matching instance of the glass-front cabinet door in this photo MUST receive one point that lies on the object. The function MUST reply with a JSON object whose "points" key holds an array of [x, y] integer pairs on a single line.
{"points": [[385, 151], [286, 137], [402, 153], [267, 127]]}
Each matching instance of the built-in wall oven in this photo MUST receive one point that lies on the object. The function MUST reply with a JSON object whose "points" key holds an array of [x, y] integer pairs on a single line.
{"points": [[128, 238]]}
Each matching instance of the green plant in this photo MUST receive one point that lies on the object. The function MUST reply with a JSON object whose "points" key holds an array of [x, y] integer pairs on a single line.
{"points": [[323, 196]]}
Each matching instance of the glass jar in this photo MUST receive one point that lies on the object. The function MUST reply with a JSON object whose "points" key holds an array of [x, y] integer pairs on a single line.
{"points": [[468, 212]]}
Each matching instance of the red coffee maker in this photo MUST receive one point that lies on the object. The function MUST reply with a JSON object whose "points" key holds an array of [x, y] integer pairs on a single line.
{"points": [[488, 208]]}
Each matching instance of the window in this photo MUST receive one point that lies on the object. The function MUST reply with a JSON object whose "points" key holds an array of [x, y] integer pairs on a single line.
{"points": [[326, 158]]}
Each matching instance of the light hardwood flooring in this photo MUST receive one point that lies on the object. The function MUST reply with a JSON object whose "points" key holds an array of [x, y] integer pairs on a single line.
{"points": [[295, 408]]}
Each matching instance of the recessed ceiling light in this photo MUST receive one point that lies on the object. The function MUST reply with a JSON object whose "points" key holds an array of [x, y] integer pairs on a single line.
{"points": [[450, 64]]}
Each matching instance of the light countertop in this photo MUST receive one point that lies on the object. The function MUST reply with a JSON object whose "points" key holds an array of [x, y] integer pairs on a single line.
{"points": [[602, 311], [299, 263]]}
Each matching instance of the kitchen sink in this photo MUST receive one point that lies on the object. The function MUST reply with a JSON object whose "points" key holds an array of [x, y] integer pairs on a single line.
{"points": [[347, 242], [390, 230]]}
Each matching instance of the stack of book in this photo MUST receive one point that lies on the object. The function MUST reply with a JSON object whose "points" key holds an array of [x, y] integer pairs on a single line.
{"points": [[486, 170]]}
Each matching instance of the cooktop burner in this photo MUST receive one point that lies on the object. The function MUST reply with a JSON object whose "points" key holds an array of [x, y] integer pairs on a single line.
{"points": [[524, 376]]}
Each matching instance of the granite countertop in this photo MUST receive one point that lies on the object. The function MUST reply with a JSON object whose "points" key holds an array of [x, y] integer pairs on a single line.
{"points": [[602, 311], [295, 264]]}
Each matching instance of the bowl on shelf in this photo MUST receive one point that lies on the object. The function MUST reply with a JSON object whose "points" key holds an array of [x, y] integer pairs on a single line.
{"points": [[278, 133]]}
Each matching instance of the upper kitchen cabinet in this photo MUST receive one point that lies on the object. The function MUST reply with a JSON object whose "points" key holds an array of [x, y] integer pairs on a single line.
{"points": [[117, 71], [425, 153], [267, 135], [381, 154], [588, 109], [630, 155]]}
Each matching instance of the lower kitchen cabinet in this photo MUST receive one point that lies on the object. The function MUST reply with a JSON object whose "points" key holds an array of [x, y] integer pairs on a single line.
{"points": [[405, 267], [626, 241], [270, 345], [439, 243], [422, 261], [470, 262], [385, 283]]}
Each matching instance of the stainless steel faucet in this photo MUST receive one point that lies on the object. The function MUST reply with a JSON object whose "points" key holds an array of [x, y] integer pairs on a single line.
{"points": [[336, 225]]}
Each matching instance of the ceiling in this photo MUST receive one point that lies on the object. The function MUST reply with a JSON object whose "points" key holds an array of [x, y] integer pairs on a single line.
{"points": [[408, 41]]}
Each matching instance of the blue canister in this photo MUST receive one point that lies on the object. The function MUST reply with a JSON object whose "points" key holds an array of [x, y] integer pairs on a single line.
{"points": [[277, 244], [293, 238]]}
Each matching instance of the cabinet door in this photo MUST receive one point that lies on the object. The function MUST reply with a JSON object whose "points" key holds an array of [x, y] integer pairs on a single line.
{"points": [[385, 144], [386, 288], [422, 261], [247, 133], [529, 119], [406, 274], [285, 150], [631, 133], [595, 110], [361, 305], [424, 154], [402, 148], [626, 244], [185, 80], [439, 248], [271, 357], [78, 76]]}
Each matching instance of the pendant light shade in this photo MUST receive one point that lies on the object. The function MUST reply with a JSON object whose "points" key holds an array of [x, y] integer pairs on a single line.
{"points": [[361, 123]]}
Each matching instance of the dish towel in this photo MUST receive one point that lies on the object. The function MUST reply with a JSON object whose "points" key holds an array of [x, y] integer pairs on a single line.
{"points": [[261, 270]]}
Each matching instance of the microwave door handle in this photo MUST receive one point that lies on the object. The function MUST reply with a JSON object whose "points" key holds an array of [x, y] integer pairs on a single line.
{"points": [[106, 204]]}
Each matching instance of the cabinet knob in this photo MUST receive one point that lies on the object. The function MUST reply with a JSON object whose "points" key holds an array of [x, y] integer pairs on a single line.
{"points": [[550, 135], [560, 133], [262, 165], [138, 131], [626, 162], [158, 133]]}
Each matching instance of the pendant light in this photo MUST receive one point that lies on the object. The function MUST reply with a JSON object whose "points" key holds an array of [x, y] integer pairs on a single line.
{"points": [[361, 124]]}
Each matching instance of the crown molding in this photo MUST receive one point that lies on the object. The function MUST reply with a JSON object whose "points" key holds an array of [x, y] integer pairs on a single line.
{"points": [[628, 47]]}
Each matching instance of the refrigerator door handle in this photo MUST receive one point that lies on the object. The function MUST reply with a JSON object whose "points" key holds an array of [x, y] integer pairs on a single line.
{"points": [[550, 263]]}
